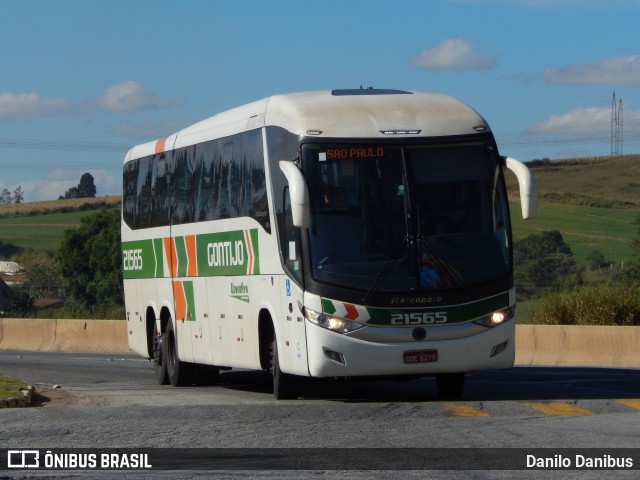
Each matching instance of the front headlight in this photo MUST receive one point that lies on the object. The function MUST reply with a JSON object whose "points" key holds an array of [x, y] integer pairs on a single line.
{"points": [[335, 324], [496, 318]]}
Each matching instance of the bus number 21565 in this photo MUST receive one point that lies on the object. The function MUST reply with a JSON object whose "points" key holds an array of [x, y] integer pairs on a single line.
{"points": [[418, 318]]}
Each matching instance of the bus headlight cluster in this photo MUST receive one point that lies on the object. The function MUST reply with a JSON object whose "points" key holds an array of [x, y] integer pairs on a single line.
{"points": [[496, 318], [335, 324]]}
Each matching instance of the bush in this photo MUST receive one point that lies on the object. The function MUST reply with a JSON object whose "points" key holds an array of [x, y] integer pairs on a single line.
{"points": [[543, 262], [90, 258], [590, 306], [72, 310]]}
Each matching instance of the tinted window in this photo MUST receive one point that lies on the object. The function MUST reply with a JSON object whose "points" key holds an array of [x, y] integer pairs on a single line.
{"points": [[213, 180]]}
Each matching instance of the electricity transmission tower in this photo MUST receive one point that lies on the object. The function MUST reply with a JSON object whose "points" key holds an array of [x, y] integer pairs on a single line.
{"points": [[616, 126]]}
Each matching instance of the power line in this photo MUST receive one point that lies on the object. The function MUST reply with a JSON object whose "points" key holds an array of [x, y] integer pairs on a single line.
{"points": [[62, 145]]}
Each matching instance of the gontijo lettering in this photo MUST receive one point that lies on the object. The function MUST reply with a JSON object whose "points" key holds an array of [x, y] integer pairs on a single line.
{"points": [[223, 254]]}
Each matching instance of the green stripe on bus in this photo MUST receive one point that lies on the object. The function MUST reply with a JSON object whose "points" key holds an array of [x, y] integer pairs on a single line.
{"points": [[191, 300], [225, 253], [158, 253], [181, 255], [384, 317], [454, 313], [138, 259]]}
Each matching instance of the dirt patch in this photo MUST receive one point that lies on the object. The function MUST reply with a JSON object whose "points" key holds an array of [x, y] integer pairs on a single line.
{"points": [[50, 397]]}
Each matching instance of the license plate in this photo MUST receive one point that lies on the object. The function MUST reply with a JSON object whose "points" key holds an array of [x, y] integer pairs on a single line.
{"points": [[421, 356]]}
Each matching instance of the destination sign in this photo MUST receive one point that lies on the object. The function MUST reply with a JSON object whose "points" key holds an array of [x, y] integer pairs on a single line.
{"points": [[354, 152]]}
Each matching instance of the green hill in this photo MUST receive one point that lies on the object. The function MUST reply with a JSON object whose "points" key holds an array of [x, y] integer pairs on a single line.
{"points": [[610, 182], [39, 226], [592, 202], [583, 228]]}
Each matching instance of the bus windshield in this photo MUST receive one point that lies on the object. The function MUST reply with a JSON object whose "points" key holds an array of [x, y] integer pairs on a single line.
{"points": [[397, 218]]}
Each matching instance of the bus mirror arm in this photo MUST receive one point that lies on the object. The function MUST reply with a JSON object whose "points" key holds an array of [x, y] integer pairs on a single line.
{"points": [[528, 187], [298, 193]]}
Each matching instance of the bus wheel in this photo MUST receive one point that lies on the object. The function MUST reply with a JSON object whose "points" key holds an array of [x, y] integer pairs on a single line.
{"points": [[159, 359], [450, 385], [284, 384], [179, 373]]}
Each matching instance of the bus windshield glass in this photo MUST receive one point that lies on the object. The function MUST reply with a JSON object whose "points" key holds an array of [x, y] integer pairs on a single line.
{"points": [[397, 218]]}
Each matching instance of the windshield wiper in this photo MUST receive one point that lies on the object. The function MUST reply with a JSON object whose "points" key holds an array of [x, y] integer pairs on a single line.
{"points": [[408, 241], [378, 281]]}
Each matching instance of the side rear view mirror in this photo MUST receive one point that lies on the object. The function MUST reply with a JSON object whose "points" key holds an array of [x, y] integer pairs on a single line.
{"points": [[528, 187], [299, 194]]}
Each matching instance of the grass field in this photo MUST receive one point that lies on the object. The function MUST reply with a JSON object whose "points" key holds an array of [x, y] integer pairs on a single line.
{"points": [[583, 228], [72, 204], [40, 232], [592, 202], [29, 226]]}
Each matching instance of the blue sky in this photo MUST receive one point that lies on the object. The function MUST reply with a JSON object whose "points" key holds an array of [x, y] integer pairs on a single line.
{"points": [[82, 81]]}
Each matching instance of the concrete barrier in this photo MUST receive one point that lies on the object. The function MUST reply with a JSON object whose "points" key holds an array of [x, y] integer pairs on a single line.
{"points": [[577, 345], [63, 335], [545, 345]]}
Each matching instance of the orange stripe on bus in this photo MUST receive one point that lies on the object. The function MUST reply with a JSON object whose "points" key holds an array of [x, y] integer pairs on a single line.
{"points": [[170, 252], [247, 242], [160, 144], [190, 244], [180, 301]]}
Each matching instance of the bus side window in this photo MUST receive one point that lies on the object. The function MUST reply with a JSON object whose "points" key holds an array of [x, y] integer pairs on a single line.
{"points": [[290, 238]]}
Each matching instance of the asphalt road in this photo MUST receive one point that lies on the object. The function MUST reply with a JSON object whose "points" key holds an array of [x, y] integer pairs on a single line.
{"points": [[109, 401]]}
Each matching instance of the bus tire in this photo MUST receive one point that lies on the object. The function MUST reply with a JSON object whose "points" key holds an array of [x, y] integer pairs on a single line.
{"points": [[179, 373], [284, 384], [159, 359], [450, 385]]}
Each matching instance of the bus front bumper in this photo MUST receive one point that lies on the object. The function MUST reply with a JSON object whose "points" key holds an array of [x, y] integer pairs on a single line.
{"points": [[336, 355]]}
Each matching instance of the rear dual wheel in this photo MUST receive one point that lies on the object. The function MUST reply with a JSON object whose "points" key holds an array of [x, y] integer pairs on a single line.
{"points": [[169, 369], [159, 359], [179, 373]]}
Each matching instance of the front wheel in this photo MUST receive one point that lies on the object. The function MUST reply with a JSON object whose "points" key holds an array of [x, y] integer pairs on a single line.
{"points": [[284, 384], [450, 385]]}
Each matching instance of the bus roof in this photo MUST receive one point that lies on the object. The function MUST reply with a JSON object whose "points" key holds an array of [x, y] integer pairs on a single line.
{"points": [[357, 113]]}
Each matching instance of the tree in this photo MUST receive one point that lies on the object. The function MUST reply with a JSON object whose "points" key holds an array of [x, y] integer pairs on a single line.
{"points": [[85, 189], [19, 304], [8, 250], [43, 279], [71, 193], [595, 260], [5, 197], [90, 260], [18, 196], [544, 260]]}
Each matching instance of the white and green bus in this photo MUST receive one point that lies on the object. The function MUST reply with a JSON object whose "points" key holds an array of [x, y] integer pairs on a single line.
{"points": [[344, 233]]}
